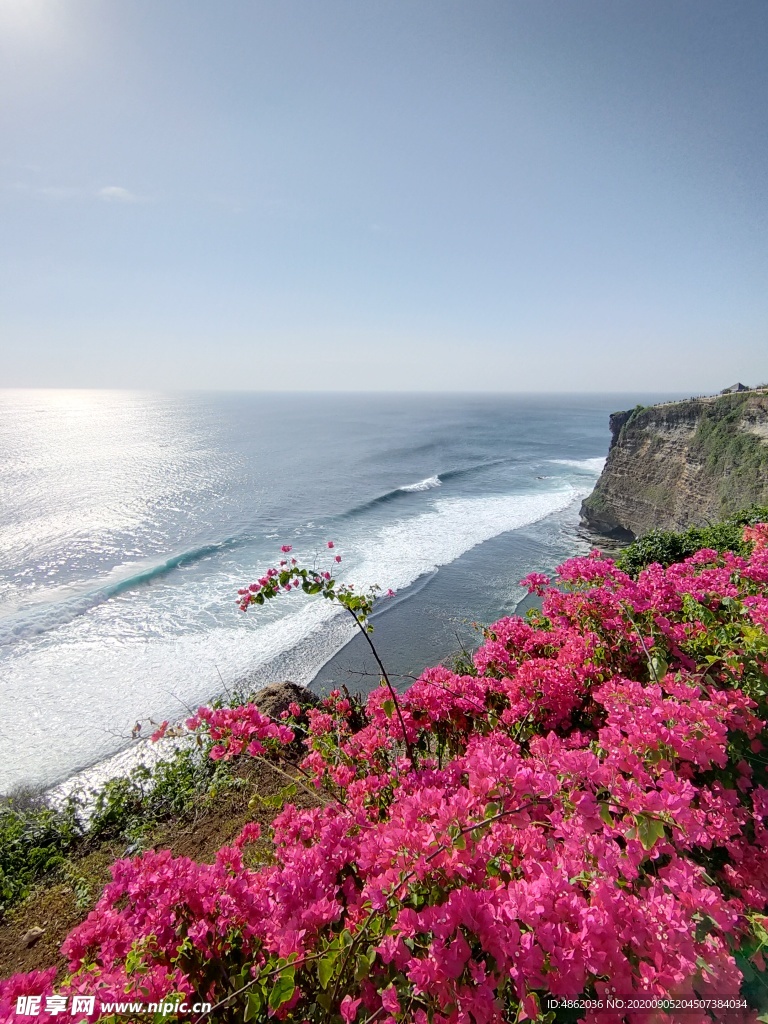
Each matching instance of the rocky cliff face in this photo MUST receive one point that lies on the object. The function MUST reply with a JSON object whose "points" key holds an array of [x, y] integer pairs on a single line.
{"points": [[682, 464]]}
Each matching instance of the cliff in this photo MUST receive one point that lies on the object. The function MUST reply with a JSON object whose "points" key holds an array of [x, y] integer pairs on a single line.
{"points": [[682, 464]]}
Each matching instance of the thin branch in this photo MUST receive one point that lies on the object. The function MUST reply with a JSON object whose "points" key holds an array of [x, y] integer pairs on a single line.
{"points": [[255, 981], [312, 792], [651, 666], [374, 1015], [393, 692], [377, 675], [221, 678]]}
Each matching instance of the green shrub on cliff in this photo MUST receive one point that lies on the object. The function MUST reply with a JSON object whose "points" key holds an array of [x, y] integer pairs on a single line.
{"points": [[34, 841], [37, 840], [667, 546], [734, 456]]}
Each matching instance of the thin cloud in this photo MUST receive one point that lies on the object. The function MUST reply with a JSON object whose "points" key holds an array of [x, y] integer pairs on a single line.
{"points": [[117, 194], [107, 194]]}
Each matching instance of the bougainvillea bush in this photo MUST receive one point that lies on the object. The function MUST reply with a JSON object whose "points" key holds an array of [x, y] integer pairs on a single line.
{"points": [[577, 823]]}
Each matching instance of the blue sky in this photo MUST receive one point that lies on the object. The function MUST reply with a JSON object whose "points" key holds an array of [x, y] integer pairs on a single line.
{"points": [[523, 195]]}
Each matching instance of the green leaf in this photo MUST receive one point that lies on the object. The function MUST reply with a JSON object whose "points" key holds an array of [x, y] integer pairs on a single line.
{"points": [[389, 708], [657, 667], [605, 813], [253, 1005], [365, 961], [649, 831], [283, 988], [325, 970], [276, 800], [702, 964]]}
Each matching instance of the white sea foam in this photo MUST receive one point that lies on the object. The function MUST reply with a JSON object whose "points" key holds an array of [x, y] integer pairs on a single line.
{"points": [[91, 685], [588, 465], [160, 651], [401, 551], [422, 485], [141, 753]]}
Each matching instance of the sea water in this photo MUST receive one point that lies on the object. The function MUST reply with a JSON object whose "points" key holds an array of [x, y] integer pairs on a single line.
{"points": [[128, 522]]}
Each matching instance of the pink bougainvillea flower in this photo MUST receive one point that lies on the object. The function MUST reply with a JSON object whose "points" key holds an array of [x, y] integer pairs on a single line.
{"points": [[583, 811], [348, 1009]]}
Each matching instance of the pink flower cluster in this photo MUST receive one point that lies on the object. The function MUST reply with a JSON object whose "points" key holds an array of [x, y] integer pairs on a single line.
{"points": [[239, 729], [585, 814]]}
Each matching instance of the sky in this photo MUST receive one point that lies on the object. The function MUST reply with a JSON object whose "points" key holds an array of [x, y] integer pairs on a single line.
{"points": [[421, 195]]}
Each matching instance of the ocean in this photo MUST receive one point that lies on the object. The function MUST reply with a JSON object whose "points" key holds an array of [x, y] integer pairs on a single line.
{"points": [[129, 520]]}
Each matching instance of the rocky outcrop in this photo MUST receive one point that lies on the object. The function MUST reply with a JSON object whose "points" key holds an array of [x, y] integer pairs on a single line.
{"points": [[272, 700], [682, 464]]}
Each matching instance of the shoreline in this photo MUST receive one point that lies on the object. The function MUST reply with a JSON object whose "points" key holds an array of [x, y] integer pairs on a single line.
{"points": [[391, 617]]}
